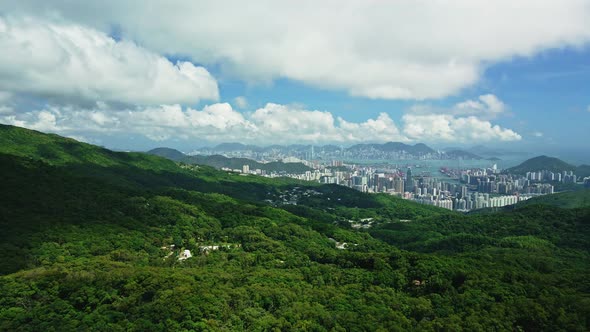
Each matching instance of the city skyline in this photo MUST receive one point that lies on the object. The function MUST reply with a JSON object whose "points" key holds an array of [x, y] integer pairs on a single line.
{"points": [[316, 74]]}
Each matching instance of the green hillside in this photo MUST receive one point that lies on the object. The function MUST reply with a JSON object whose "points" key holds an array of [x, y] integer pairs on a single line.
{"points": [[541, 163], [56, 150], [568, 200], [168, 153], [87, 234]]}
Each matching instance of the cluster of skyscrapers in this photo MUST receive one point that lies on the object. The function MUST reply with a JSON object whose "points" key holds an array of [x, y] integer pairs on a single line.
{"points": [[468, 190], [565, 176]]}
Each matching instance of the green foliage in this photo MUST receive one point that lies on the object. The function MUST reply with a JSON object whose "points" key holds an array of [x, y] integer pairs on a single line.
{"points": [[87, 233], [568, 200]]}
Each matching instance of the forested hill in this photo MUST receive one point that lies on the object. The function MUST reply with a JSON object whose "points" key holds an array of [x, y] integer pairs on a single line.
{"points": [[541, 163], [91, 239], [219, 161], [59, 151], [570, 199]]}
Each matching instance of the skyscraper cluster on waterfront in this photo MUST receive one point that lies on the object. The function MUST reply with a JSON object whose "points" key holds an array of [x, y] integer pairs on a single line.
{"points": [[463, 190]]}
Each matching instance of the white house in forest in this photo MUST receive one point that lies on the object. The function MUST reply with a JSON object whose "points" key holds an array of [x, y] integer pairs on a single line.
{"points": [[185, 254]]}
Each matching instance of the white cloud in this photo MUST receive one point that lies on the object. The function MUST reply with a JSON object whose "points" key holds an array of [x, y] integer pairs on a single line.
{"points": [[69, 61], [448, 128], [381, 129], [537, 134], [493, 104], [241, 102], [286, 120], [274, 123], [216, 123], [487, 106], [295, 124], [398, 49], [41, 120]]}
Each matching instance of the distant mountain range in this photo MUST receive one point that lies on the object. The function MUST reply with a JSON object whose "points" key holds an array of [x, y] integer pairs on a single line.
{"points": [[493, 152], [551, 164], [389, 150], [461, 154], [219, 161], [417, 149]]}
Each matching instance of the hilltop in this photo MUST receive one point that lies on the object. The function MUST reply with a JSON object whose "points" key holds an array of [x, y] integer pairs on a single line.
{"points": [[169, 153], [541, 163], [96, 240]]}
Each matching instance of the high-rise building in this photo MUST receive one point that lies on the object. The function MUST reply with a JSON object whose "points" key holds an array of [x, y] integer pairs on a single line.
{"points": [[463, 191], [409, 185], [398, 185]]}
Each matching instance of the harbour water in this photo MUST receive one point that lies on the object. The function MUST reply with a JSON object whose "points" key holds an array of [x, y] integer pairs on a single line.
{"points": [[432, 167]]}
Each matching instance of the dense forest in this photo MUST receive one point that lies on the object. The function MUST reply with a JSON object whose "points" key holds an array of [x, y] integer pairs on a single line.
{"points": [[91, 240]]}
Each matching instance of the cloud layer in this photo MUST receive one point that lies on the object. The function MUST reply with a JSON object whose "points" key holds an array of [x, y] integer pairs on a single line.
{"points": [[79, 64], [272, 123], [447, 128], [400, 49]]}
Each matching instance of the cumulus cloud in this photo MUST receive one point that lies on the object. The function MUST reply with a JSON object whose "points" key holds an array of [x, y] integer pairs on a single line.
{"points": [[448, 128], [380, 129], [399, 49], [59, 60], [272, 123], [43, 120], [215, 123], [487, 106]]}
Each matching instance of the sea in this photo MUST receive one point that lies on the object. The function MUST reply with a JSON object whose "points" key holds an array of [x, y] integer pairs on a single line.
{"points": [[432, 167]]}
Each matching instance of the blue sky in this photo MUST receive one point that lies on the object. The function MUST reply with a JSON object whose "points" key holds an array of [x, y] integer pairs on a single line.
{"points": [[547, 94], [458, 73]]}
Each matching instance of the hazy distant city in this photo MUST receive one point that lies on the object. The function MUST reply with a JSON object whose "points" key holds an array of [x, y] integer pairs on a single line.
{"points": [[454, 179]]}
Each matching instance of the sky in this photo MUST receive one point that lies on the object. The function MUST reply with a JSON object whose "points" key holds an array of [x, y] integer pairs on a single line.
{"points": [[133, 75]]}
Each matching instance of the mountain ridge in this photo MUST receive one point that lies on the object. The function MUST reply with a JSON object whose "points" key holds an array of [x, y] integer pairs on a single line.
{"points": [[541, 163]]}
